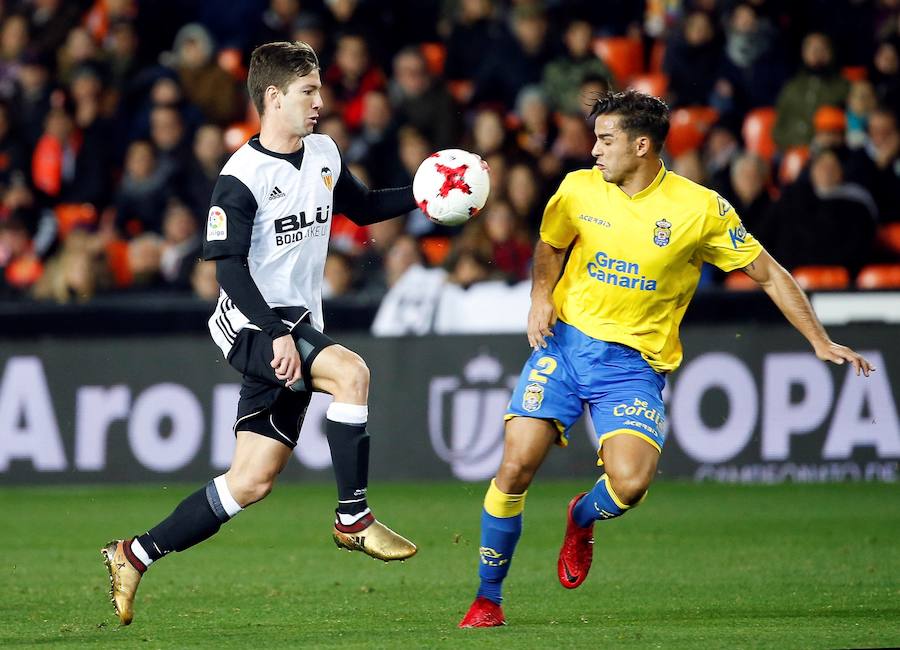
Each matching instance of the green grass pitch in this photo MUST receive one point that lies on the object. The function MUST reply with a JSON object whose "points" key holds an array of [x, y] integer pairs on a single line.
{"points": [[696, 566]]}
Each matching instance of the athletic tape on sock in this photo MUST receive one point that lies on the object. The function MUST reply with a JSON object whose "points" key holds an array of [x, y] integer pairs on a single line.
{"points": [[229, 504], [499, 504], [347, 413]]}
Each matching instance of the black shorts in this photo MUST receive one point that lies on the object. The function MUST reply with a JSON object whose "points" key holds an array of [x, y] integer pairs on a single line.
{"points": [[266, 406]]}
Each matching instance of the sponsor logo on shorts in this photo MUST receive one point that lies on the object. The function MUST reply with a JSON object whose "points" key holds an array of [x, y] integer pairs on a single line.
{"points": [[533, 397], [639, 409]]}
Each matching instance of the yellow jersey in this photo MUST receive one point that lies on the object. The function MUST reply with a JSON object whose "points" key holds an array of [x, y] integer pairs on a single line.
{"points": [[636, 261]]}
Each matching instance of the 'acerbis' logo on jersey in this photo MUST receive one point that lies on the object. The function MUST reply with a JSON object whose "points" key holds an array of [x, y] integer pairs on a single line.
{"points": [[297, 227], [621, 273]]}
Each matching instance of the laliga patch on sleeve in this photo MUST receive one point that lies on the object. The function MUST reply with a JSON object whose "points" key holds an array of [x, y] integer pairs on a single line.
{"points": [[216, 225]]}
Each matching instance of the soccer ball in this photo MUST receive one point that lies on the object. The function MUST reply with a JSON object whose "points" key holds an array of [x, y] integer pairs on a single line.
{"points": [[451, 186]]}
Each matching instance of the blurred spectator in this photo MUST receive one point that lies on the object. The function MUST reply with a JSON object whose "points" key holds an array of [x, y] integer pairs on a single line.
{"points": [[819, 83], [13, 41], [749, 176], [467, 266], [591, 89], [753, 68], [885, 73], [181, 247], [489, 135], [203, 281], [509, 239], [78, 50], [523, 191], [338, 278], [19, 265], [572, 147], [143, 192], [170, 138], [403, 253], [205, 84], [516, 61], [144, 258], [562, 76], [719, 151], [536, 130], [74, 275], [877, 165], [351, 76], [861, 101], [692, 61], [375, 146], [120, 49], [32, 99], [309, 28], [690, 166], [278, 22], [12, 150], [474, 32], [423, 101], [203, 169], [50, 22], [823, 220]]}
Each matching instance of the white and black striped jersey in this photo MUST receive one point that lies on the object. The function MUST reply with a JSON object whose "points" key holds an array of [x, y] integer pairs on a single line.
{"points": [[275, 210]]}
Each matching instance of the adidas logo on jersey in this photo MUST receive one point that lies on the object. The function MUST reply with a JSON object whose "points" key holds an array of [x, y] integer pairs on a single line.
{"points": [[276, 194]]}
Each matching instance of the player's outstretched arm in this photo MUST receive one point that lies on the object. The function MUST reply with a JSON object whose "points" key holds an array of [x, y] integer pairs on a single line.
{"points": [[793, 303], [546, 268]]}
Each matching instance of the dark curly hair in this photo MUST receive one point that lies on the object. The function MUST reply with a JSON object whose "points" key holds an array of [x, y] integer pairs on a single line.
{"points": [[641, 115]]}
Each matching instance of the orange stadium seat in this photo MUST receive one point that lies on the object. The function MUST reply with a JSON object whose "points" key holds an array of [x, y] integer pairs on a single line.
{"points": [[879, 276], [792, 164], [435, 249], [740, 281], [435, 56], [461, 89], [652, 83], [73, 215], [688, 128], [624, 56], [231, 61], [657, 55], [24, 271], [815, 278], [757, 132], [854, 72], [889, 237]]}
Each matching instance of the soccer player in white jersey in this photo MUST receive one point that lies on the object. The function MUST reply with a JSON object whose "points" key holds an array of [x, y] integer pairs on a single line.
{"points": [[604, 324], [267, 229]]}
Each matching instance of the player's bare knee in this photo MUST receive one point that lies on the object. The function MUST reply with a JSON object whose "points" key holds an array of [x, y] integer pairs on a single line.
{"points": [[248, 489], [630, 488], [514, 476], [352, 379]]}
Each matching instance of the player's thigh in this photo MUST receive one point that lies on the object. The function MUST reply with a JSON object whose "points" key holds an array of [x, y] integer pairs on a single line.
{"points": [[525, 446], [336, 367], [257, 460], [630, 459]]}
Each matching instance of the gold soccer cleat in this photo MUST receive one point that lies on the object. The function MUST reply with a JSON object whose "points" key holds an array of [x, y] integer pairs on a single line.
{"points": [[374, 539], [123, 579]]}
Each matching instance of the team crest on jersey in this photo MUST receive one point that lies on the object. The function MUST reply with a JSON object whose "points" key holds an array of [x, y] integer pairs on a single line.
{"points": [[662, 233], [327, 178], [533, 397], [216, 225]]}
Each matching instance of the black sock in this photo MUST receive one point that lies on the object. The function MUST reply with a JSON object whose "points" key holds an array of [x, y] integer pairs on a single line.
{"points": [[349, 445], [197, 518]]}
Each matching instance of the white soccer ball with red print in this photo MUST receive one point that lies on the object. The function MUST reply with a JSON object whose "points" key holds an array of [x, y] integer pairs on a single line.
{"points": [[451, 186]]}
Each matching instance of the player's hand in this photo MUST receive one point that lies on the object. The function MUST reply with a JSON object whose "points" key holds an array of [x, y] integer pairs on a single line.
{"points": [[541, 317], [286, 359], [835, 353]]}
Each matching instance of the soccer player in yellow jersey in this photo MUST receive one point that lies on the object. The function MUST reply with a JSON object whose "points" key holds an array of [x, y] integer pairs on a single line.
{"points": [[604, 324]]}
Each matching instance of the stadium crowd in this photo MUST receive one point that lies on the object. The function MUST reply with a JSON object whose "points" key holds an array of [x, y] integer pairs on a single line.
{"points": [[117, 115]]}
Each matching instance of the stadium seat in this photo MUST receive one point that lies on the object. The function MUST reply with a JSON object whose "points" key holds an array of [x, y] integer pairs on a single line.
{"points": [[435, 249], [231, 61], [854, 72], [652, 83], [657, 55], [117, 261], [688, 128], [73, 215], [889, 237], [817, 278], [879, 276], [435, 55], [24, 271], [740, 281], [757, 132], [237, 134], [792, 164], [623, 56], [461, 89]]}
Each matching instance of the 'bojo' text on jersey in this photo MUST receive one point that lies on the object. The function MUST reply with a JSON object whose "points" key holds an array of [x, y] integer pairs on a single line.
{"points": [[275, 210]]}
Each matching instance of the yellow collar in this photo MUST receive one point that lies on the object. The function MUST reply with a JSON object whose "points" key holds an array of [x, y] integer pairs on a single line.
{"points": [[652, 186]]}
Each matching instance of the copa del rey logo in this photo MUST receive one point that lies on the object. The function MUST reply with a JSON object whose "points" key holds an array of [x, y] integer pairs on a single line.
{"points": [[465, 417]]}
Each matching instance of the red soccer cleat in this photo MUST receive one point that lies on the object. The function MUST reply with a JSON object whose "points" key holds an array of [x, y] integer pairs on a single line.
{"points": [[483, 613], [577, 550]]}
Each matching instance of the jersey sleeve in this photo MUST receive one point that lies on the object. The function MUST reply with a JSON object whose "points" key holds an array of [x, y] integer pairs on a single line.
{"points": [[556, 225], [229, 223], [726, 243]]}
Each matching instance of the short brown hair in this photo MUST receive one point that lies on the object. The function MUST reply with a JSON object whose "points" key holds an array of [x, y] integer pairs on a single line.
{"points": [[278, 64], [641, 115]]}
